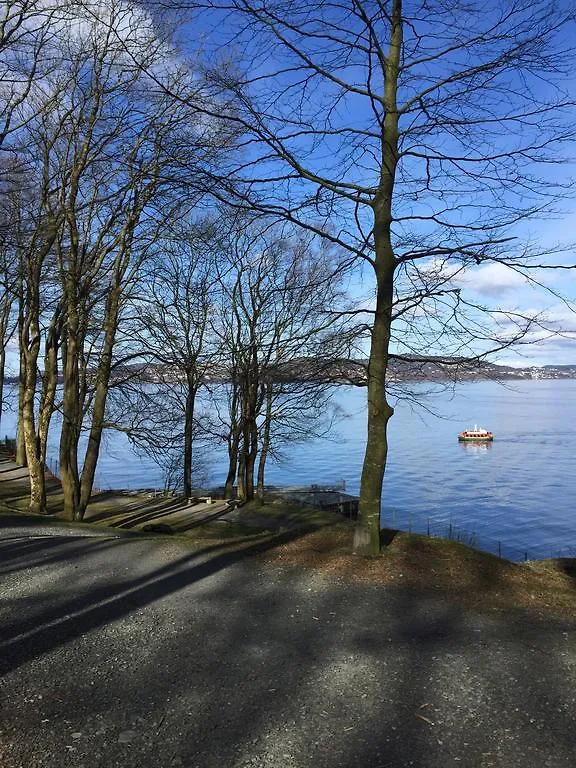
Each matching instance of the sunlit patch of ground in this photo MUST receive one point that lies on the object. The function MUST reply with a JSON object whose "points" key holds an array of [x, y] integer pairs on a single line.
{"points": [[473, 578]]}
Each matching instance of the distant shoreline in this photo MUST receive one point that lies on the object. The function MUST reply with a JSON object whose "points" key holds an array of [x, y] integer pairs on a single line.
{"points": [[352, 372]]}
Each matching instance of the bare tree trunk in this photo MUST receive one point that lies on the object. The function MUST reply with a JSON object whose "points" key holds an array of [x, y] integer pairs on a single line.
{"points": [[251, 459], [33, 460], [2, 372], [4, 338], [29, 346], [265, 447], [244, 446], [367, 534], [233, 444], [20, 443], [100, 398], [35, 465], [248, 445], [367, 538], [191, 388], [70, 434], [241, 479], [232, 468], [49, 383]]}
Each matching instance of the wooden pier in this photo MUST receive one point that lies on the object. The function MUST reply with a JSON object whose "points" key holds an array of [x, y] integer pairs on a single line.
{"points": [[329, 498]]}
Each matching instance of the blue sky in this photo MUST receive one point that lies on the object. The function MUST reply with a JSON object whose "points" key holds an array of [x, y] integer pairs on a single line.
{"points": [[489, 283], [293, 100], [552, 295]]}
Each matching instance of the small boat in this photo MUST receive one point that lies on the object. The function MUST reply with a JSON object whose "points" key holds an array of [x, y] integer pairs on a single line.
{"points": [[476, 435]]}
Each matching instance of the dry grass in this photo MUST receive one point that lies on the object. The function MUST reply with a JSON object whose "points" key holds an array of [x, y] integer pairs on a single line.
{"points": [[473, 578]]}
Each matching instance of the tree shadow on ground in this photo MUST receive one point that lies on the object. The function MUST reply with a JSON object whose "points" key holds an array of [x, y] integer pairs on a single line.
{"points": [[213, 658], [133, 510], [568, 566], [96, 603]]}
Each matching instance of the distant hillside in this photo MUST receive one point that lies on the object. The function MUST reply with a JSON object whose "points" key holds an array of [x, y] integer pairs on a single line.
{"points": [[563, 368], [435, 369], [346, 371]]}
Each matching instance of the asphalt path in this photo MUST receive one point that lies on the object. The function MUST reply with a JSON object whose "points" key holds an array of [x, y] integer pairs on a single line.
{"points": [[140, 652]]}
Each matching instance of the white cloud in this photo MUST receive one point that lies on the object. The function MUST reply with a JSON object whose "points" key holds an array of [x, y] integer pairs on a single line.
{"points": [[493, 280], [551, 341]]}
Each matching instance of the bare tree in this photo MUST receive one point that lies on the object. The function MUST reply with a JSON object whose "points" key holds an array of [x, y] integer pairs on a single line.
{"points": [[104, 238], [36, 235], [426, 132], [173, 329], [97, 153], [91, 145], [278, 328]]}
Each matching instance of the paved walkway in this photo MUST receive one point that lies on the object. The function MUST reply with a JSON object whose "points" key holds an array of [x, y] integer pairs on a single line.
{"points": [[143, 653]]}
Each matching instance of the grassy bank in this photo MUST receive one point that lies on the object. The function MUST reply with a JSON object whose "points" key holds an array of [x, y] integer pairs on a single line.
{"points": [[305, 538], [472, 578]]}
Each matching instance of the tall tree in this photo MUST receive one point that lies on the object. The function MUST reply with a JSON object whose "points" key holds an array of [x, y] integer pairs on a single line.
{"points": [[94, 140], [8, 302], [426, 132], [101, 150], [36, 231], [107, 177]]}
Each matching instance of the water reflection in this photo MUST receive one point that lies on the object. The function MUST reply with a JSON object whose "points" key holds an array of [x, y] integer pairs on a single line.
{"points": [[476, 448]]}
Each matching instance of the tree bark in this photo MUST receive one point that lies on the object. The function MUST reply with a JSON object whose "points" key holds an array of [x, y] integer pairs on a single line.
{"points": [[29, 348], [233, 441], [188, 432], [71, 416], [367, 536], [265, 447], [249, 440], [4, 338], [35, 465], [251, 459], [49, 382], [2, 372], [241, 479], [232, 465], [20, 443], [100, 398]]}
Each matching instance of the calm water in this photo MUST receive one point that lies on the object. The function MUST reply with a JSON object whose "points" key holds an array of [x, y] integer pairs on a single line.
{"points": [[516, 494]]}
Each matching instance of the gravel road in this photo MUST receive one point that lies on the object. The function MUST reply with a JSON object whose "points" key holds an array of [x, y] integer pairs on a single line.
{"points": [[145, 653]]}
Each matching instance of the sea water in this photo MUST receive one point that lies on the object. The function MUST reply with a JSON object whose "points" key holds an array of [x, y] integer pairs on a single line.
{"points": [[514, 496]]}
